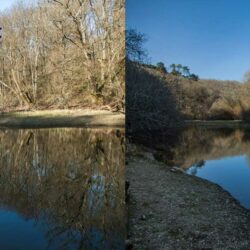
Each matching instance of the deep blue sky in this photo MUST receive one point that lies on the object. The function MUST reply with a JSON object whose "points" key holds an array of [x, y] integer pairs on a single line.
{"points": [[212, 37]]}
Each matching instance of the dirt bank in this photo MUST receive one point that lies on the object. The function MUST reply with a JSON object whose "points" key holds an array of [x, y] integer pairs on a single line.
{"points": [[172, 210], [62, 118], [218, 123]]}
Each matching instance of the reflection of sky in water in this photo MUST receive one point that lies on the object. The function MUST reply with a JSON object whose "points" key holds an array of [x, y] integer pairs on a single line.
{"points": [[231, 173], [95, 194], [58, 190], [33, 234], [28, 234]]}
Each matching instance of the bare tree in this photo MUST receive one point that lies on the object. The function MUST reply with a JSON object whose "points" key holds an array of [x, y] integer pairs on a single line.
{"points": [[63, 53]]}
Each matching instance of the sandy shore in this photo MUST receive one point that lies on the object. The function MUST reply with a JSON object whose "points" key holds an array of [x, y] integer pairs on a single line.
{"points": [[172, 210], [62, 118]]}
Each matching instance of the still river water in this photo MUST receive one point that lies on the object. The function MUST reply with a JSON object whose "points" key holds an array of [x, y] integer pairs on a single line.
{"points": [[221, 156], [62, 188]]}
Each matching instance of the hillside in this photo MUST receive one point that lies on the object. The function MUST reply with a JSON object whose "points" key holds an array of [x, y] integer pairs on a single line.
{"points": [[207, 99]]}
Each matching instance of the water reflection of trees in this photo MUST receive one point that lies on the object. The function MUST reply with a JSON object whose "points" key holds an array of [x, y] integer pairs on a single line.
{"points": [[71, 180], [194, 145]]}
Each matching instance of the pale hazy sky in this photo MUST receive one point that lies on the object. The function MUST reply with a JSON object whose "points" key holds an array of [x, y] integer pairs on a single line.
{"points": [[6, 3]]}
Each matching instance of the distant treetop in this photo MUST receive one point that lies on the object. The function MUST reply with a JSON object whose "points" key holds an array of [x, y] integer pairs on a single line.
{"points": [[135, 50]]}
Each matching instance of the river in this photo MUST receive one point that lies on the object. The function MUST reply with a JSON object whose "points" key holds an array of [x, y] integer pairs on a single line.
{"points": [[62, 188], [221, 156]]}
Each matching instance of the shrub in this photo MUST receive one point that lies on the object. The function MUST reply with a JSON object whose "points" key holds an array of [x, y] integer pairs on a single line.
{"points": [[246, 115], [150, 104]]}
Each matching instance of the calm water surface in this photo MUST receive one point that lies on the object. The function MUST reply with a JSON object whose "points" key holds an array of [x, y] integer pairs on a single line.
{"points": [[62, 189], [221, 156], [231, 173]]}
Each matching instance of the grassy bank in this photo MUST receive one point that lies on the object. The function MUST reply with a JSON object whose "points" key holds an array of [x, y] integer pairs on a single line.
{"points": [[62, 118]]}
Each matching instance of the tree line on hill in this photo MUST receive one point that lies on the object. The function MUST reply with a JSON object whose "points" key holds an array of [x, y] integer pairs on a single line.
{"points": [[180, 94], [174, 69], [136, 52], [62, 53]]}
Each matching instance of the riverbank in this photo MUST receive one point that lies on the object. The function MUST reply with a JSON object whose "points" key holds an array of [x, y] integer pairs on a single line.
{"points": [[218, 123], [62, 118], [169, 209]]}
